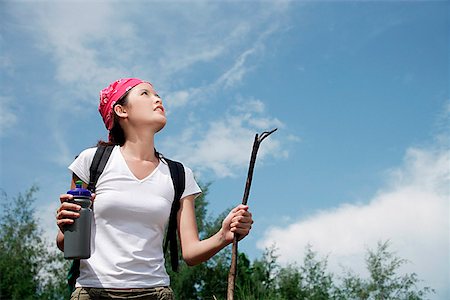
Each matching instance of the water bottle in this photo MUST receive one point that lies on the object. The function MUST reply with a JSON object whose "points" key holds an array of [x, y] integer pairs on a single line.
{"points": [[77, 236]]}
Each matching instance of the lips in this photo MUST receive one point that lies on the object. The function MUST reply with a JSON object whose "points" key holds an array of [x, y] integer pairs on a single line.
{"points": [[159, 108]]}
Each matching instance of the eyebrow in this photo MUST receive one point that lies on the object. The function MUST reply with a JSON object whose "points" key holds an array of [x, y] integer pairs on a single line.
{"points": [[153, 92]]}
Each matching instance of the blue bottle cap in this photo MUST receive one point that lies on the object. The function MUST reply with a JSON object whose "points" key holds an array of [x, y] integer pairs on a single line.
{"points": [[79, 190]]}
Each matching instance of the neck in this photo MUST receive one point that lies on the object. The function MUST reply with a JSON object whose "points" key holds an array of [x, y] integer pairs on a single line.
{"points": [[140, 146]]}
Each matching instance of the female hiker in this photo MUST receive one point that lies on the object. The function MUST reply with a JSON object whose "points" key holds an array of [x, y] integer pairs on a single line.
{"points": [[133, 200]]}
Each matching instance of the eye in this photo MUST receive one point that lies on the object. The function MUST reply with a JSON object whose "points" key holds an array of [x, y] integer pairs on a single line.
{"points": [[144, 93]]}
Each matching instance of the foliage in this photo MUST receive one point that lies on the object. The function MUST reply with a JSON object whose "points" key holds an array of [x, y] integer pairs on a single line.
{"points": [[264, 278], [28, 268], [384, 282]]}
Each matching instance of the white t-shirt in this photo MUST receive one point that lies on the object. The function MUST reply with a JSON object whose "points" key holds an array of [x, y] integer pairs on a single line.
{"points": [[129, 222]]}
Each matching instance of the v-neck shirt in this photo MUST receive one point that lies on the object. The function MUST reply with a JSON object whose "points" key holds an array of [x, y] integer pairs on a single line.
{"points": [[130, 216]]}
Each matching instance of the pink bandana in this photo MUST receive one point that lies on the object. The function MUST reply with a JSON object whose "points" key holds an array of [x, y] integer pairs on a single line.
{"points": [[110, 95]]}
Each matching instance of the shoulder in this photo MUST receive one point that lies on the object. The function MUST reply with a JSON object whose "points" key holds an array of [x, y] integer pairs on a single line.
{"points": [[191, 185], [88, 153], [187, 170], [81, 165]]}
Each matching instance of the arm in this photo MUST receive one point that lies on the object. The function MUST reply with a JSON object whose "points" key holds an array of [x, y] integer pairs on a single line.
{"points": [[194, 251]]}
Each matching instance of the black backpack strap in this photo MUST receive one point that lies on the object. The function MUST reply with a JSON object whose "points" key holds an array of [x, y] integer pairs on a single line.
{"points": [[73, 274], [179, 182], [98, 164]]}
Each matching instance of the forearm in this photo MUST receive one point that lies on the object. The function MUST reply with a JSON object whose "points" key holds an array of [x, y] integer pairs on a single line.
{"points": [[60, 240], [199, 251], [194, 251]]}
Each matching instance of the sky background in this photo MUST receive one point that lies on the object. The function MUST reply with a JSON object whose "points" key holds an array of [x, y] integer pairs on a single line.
{"points": [[359, 92]]}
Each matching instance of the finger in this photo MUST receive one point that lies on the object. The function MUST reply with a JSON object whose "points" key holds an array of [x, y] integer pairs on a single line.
{"points": [[241, 232], [239, 207], [67, 214], [238, 226], [65, 197], [61, 223], [237, 215], [242, 219], [243, 212], [69, 206], [242, 207], [241, 226]]}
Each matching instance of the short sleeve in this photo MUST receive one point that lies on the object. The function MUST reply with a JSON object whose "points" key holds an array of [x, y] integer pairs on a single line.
{"points": [[191, 187], [81, 165]]}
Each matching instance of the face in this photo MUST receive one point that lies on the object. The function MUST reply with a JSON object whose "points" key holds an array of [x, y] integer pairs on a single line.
{"points": [[144, 108]]}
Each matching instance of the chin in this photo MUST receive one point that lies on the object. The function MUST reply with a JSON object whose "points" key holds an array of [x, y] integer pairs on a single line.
{"points": [[161, 126]]}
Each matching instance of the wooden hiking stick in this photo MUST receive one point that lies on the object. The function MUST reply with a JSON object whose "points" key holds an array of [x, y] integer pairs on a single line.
{"points": [[233, 267]]}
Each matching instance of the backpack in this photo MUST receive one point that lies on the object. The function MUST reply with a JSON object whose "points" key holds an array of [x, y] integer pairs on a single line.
{"points": [[177, 174]]}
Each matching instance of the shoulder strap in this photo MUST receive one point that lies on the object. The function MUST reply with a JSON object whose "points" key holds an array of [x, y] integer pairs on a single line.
{"points": [[98, 164], [179, 182], [73, 274]]}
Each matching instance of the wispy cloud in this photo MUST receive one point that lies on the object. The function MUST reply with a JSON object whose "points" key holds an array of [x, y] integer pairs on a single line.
{"points": [[224, 145], [8, 118], [412, 211], [114, 40], [231, 76], [6, 63]]}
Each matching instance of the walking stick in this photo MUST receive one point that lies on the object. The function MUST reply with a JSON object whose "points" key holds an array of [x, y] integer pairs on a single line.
{"points": [[233, 267]]}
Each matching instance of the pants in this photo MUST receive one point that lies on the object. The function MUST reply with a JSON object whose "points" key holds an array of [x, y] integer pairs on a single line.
{"points": [[157, 293]]}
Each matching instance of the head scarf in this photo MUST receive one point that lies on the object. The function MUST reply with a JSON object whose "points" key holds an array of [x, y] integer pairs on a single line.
{"points": [[112, 93]]}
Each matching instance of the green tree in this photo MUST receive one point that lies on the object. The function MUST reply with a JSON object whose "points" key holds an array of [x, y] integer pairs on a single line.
{"points": [[315, 282], [264, 278], [28, 268], [257, 280], [208, 279], [289, 282], [384, 281]]}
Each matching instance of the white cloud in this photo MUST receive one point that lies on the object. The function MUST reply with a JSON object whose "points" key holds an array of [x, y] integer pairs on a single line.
{"points": [[8, 117], [235, 74], [224, 145], [47, 221], [412, 212], [114, 40], [231, 76], [6, 63], [181, 98], [253, 105]]}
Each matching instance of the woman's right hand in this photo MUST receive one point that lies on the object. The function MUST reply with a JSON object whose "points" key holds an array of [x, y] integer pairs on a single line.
{"points": [[67, 211]]}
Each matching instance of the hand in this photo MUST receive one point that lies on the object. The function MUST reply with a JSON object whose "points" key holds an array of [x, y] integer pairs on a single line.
{"points": [[67, 211], [239, 221]]}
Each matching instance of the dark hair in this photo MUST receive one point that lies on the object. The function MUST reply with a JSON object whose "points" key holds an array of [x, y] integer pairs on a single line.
{"points": [[116, 134]]}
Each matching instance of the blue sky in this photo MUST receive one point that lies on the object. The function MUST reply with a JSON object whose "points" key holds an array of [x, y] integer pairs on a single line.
{"points": [[358, 89]]}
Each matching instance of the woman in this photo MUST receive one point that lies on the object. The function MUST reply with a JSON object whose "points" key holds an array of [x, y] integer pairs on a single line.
{"points": [[132, 204]]}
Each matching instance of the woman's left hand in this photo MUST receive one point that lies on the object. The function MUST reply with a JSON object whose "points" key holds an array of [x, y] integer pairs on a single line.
{"points": [[239, 221]]}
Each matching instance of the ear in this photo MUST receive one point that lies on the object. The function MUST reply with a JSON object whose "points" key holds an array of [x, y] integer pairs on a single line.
{"points": [[121, 111]]}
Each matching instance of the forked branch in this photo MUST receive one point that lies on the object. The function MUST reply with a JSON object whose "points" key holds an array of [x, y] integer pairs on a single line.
{"points": [[232, 274]]}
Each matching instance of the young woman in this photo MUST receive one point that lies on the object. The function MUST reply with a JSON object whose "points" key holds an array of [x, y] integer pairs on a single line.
{"points": [[133, 201]]}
